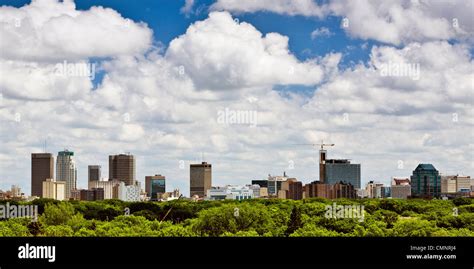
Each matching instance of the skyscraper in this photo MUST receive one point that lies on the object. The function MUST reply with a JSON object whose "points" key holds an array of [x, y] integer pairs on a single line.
{"points": [[425, 181], [154, 185], [200, 179], [93, 173], [342, 170], [66, 171], [122, 167], [42, 168]]}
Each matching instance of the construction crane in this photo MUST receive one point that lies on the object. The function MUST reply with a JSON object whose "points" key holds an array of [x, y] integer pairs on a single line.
{"points": [[322, 145], [322, 159]]}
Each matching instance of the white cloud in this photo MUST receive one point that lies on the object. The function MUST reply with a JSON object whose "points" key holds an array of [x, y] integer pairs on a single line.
{"points": [[323, 31], [220, 53], [188, 7], [172, 115], [287, 7], [48, 30], [394, 21]]}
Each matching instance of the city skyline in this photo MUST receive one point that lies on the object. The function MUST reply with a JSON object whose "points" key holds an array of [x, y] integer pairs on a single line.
{"points": [[238, 86], [202, 163]]}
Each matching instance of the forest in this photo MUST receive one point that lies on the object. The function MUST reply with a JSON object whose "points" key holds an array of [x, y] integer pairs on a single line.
{"points": [[248, 218]]}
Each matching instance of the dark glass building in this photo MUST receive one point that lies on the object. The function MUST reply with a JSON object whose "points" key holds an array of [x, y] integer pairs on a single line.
{"points": [[155, 185], [425, 181]]}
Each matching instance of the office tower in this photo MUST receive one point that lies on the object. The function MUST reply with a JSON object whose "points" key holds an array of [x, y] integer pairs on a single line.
{"points": [[42, 168], [122, 167], [155, 185], [54, 189], [401, 188], [425, 181], [337, 170], [200, 179], [66, 171], [93, 173]]}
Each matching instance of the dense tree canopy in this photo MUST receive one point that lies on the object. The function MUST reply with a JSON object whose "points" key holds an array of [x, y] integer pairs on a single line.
{"points": [[259, 217]]}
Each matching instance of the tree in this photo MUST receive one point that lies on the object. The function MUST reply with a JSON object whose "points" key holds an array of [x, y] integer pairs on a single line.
{"points": [[295, 221], [57, 214]]}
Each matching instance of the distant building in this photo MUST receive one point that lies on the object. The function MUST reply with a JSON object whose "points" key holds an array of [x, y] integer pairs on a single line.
{"points": [[455, 186], [127, 193], [95, 194], [107, 186], [200, 176], [168, 196], [54, 189], [155, 185], [93, 172], [317, 189], [42, 168], [66, 171], [337, 170], [425, 181], [401, 188], [374, 189], [232, 192], [330, 191], [272, 184], [291, 189], [122, 167], [75, 195], [448, 185]]}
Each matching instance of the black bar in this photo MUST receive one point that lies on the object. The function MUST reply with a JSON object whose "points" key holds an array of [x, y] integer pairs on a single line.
{"points": [[235, 250]]}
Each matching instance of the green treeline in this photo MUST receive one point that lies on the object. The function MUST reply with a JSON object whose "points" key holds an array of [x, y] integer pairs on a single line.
{"points": [[259, 217]]}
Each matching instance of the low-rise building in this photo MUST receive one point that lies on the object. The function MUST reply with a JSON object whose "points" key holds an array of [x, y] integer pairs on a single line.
{"points": [[401, 188], [54, 189]]}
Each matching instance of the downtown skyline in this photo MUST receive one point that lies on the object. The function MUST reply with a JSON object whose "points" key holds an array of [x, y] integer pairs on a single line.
{"points": [[237, 86]]}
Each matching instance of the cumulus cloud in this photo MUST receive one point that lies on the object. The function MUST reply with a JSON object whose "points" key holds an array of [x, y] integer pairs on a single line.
{"points": [[395, 22], [50, 30], [221, 53], [163, 107]]}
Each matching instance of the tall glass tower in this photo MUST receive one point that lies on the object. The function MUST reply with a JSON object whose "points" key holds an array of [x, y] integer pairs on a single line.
{"points": [[66, 171]]}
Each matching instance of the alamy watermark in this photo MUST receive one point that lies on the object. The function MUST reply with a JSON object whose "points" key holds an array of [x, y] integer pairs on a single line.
{"points": [[391, 69], [244, 117], [335, 211], [81, 69], [8, 211]]}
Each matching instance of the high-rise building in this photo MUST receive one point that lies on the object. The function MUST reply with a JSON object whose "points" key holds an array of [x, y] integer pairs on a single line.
{"points": [[425, 181], [155, 185], [54, 189], [122, 167], [66, 171], [200, 179], [93, 173], [42, 168], [337, 170]]}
